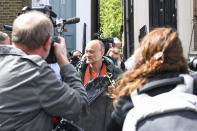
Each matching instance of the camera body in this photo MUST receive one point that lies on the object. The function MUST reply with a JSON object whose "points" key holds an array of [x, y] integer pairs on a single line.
{"points": [[107, 40], [193, 63], [51, 58], [74, 60]]}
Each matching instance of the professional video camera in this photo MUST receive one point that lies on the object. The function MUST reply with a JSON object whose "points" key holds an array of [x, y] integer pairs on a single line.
{"points": [[58, 23], [103, 39], [107, 40]]}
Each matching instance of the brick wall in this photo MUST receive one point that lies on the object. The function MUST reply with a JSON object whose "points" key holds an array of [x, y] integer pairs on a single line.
{"points": [[9, 10]]}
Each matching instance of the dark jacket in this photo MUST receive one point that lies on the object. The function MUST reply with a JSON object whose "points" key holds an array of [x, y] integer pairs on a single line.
{"points": [[111, 68], [101, 109], [124, 103]]}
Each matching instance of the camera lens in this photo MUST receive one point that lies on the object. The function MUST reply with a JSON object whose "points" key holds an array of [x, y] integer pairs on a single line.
{"points": [[193, 63]]}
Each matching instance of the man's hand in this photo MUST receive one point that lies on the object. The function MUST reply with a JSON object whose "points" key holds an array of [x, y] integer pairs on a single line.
{"points": [[111, 89], [61, 52]]}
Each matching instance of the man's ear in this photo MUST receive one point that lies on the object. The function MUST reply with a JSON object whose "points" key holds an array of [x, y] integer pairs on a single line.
{"points": [[47, 45], [102, 52]]}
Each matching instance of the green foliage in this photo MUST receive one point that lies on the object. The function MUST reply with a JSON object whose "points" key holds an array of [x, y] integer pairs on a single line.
{"points": [[110, 18]]}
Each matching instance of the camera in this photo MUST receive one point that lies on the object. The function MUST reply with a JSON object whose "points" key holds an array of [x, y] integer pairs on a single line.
{"points": [[193, 63], [107, 40], [51, 58], [74, 60], [103, 39], [58, 23]]}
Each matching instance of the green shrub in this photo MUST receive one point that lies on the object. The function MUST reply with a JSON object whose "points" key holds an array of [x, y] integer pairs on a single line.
{"points": [[110, 18]]}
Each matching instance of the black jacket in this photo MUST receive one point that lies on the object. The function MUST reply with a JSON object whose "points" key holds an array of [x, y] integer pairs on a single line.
{"points": [[111, 68]]}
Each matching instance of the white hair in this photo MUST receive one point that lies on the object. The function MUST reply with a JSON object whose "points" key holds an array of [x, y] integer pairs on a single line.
{"points": [[116, 40]]}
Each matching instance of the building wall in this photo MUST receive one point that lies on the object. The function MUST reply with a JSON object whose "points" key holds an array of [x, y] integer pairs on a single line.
{"points": [[184, 21], [36, 3], [9, 10], [84, 12], [141, 18]]}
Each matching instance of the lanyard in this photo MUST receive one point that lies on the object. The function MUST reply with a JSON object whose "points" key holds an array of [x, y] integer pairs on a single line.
{"points": [[90, 71]]}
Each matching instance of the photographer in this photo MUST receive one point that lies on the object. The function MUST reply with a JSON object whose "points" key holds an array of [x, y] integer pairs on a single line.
{"points": [[75, 57], [30, 93]]}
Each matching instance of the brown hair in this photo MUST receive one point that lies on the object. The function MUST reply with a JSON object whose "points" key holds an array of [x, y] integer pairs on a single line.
{"points": [[32, 29], [160, 51]]}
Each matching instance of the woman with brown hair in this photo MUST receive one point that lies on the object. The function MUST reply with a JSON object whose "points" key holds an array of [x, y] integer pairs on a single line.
{"points": [[159, 56]]}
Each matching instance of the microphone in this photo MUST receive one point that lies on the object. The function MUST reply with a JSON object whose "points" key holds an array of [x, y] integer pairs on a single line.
{"points": [[72, 20], [8, 27]]}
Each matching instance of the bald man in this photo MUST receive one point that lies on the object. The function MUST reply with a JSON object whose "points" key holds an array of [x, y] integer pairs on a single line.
{"points": [[96, 65], [30, 93], [4, 39]]}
